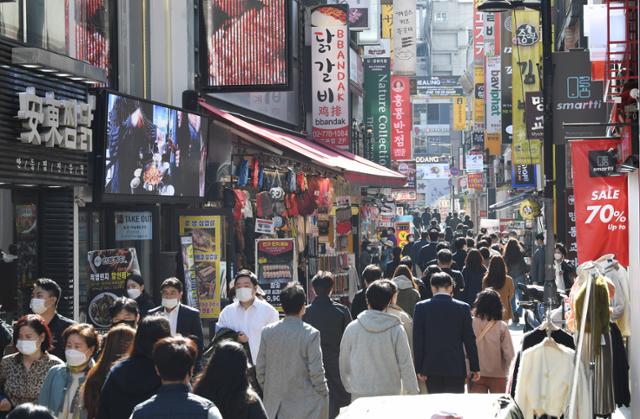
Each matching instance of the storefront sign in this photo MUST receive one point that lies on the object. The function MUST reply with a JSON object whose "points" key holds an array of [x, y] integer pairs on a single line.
{"points": [[523, 176], [276, 266], [26, 225], [56, 122], [404, 195], [459, 113], [506, 48], [358, 13], [403, 229], [404, 37], [491, 30], [189, 270], [436, 86], [134, 226], [475, 180], [478, 35], [265, 226], [474, 162], [534, 113], [387, 20], [408, 169], [478, 98], [601, 205], [493, 87], [50, 166], [108, 273], [526, 62], [377, 107], [401, 118], [330, 78], [572, 240], [206, 233]]}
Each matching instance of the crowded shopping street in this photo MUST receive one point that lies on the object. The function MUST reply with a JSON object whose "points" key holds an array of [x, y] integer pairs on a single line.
{"points": [[319, 209]]}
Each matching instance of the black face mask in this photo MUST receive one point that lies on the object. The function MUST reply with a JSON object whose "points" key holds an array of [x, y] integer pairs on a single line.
{"points": [[131, 323]]}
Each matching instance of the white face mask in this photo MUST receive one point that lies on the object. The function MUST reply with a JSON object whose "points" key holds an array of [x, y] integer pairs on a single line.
{"points": [[75, 358], [169, 303], [134, 293], [27, 347], [244, 294], [38, 305], [558, 256]]}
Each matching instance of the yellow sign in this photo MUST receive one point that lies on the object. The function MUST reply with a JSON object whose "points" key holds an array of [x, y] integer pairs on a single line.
{"points": [[493, 143], [526, 62], [529, 209], [387, 21], [478, 98], [459, 113]]}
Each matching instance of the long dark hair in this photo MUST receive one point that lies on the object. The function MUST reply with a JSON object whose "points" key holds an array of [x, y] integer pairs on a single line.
{"points": [[226, 382], [488, 305], [150, 330], [496, 275], [512, 252], [116, 345], [473, 262]]}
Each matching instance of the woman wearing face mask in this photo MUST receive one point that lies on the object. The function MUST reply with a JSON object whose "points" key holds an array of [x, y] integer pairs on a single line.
{"points": [[22, 373], [565, 272], [135, 291], [60, 392]]}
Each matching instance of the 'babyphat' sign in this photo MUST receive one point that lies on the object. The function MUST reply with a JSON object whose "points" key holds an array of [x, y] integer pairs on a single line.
{"points": [[56, 122]]}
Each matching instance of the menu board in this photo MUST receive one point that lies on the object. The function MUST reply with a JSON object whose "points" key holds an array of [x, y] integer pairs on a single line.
{"points": [[206, 233], [276, 266], [189, 270], [108, 273]]}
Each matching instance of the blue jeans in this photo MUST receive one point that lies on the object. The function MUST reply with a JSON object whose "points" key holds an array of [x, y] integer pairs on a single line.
{"points": [[515, 309]]}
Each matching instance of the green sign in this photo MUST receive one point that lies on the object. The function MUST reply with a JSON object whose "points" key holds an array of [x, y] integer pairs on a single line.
{"points": [[377, 114]]}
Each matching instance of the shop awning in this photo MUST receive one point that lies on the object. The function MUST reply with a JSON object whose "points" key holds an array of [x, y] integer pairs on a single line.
{"points": [[355, 169]]}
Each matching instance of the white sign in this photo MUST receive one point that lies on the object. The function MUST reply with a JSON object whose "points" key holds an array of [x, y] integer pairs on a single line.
{"points": [[264, 226], [134, 226], [474, 162], [56, 122], [382, 50], [330, 76], [493, 95], [356, 68], [404, 37]]}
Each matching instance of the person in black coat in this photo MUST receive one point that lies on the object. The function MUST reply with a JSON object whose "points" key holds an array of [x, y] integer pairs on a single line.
{"points": [[45, 297], [134, 379], [460, 254], [473, 273], [135, 291], [442, 327], [359, 304], [6, 336], [428, 252], [445, 264], [184, 320], [390, 268], [537, 262], [331, 319]]}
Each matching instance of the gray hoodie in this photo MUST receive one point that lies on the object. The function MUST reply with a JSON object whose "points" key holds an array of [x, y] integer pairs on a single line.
{"points": [[375, 359]]}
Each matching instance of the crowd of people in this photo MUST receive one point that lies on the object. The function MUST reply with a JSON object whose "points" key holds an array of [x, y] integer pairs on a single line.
{"points": [[432, 319]]}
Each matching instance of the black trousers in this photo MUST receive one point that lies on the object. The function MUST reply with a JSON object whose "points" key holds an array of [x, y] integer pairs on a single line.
{"points": [[439, 384]]}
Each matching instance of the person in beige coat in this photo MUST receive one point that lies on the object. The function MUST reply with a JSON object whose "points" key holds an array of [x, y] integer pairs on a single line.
{"points": [[289, 367], [405, 319]]}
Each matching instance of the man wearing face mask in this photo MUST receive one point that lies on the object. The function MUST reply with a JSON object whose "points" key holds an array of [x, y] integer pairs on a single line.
{"points": [[248, 314], [183, 320], [44, 301], [124, 310]]}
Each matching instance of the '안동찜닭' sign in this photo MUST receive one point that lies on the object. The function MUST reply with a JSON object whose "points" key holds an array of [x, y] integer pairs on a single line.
{"points": [[276, 266], [207, 253]]}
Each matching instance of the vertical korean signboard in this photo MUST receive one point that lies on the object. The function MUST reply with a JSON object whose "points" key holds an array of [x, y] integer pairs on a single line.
{"points": [[526, 61], [506, 49], [601, 201], [377, 107], [330, 76], [478, 98], [276, 266], [493, 112], [478, 35], [404, 37], [401, 118], [206, 233]]}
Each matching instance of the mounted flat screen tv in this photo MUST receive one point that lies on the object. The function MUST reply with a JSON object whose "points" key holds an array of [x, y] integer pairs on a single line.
{"points": [[153, 150]]}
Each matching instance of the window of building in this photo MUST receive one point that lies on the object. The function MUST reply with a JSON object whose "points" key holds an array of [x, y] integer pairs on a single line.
{"points": [[441, 17], [438, 113]]}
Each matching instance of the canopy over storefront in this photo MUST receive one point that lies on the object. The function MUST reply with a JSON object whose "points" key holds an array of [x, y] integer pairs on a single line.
{"points": [[354, 168]]}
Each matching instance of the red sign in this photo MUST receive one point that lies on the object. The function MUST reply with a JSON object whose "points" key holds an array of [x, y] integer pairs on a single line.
{"points": [[600, 203], [400, 118], [475, 180]]}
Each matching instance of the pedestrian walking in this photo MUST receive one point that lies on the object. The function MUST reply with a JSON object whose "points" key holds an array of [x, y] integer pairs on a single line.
{"points": [[183, 320], [124, 311], [22, 373], [497, 279], [460, 252], [467, 222], [365, 255], [116, 344], [226, 383], [60, 391], [473, 274], [405, 319], [442, 327], [407, 294], [175, 359], [517, 269], [428, 252], [495, 348], [426, 217], [30, 411], [45, 297], [330, 319], [537, 262], [289, 367], [134, 380], [417, 247], [247, 315], [359, 304], [407, 250], [564, 270], [375, 357], [445, 264], [390, 268], [135, 291]]}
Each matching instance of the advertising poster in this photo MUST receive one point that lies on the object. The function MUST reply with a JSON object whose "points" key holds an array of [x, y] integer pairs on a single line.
{"points": [[377, 112], [206, 233], [526, 61], [475, 180], [401, 121], [459, 113], [436, 86], [330, 76], [432, 171], [407, 168], [506, 48], [478, 98], [371, 36], [534, 115], [108, 273], [133, 225], [523, 176], [26, 216], [493, 105], [404, 195], [474, 162], [276, 266], [189, 271], [404, 37], [601, 202], [358, 13]]}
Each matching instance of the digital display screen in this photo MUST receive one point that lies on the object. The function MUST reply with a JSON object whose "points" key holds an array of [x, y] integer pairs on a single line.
{"points": [[154, 150]]}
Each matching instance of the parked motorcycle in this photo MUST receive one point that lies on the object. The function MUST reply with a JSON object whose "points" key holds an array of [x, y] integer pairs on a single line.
{"points": [[534, 306]]}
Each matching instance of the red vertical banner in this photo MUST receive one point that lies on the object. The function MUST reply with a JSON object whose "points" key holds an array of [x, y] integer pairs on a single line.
{"points": [[400, 118], [601, 201]]}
